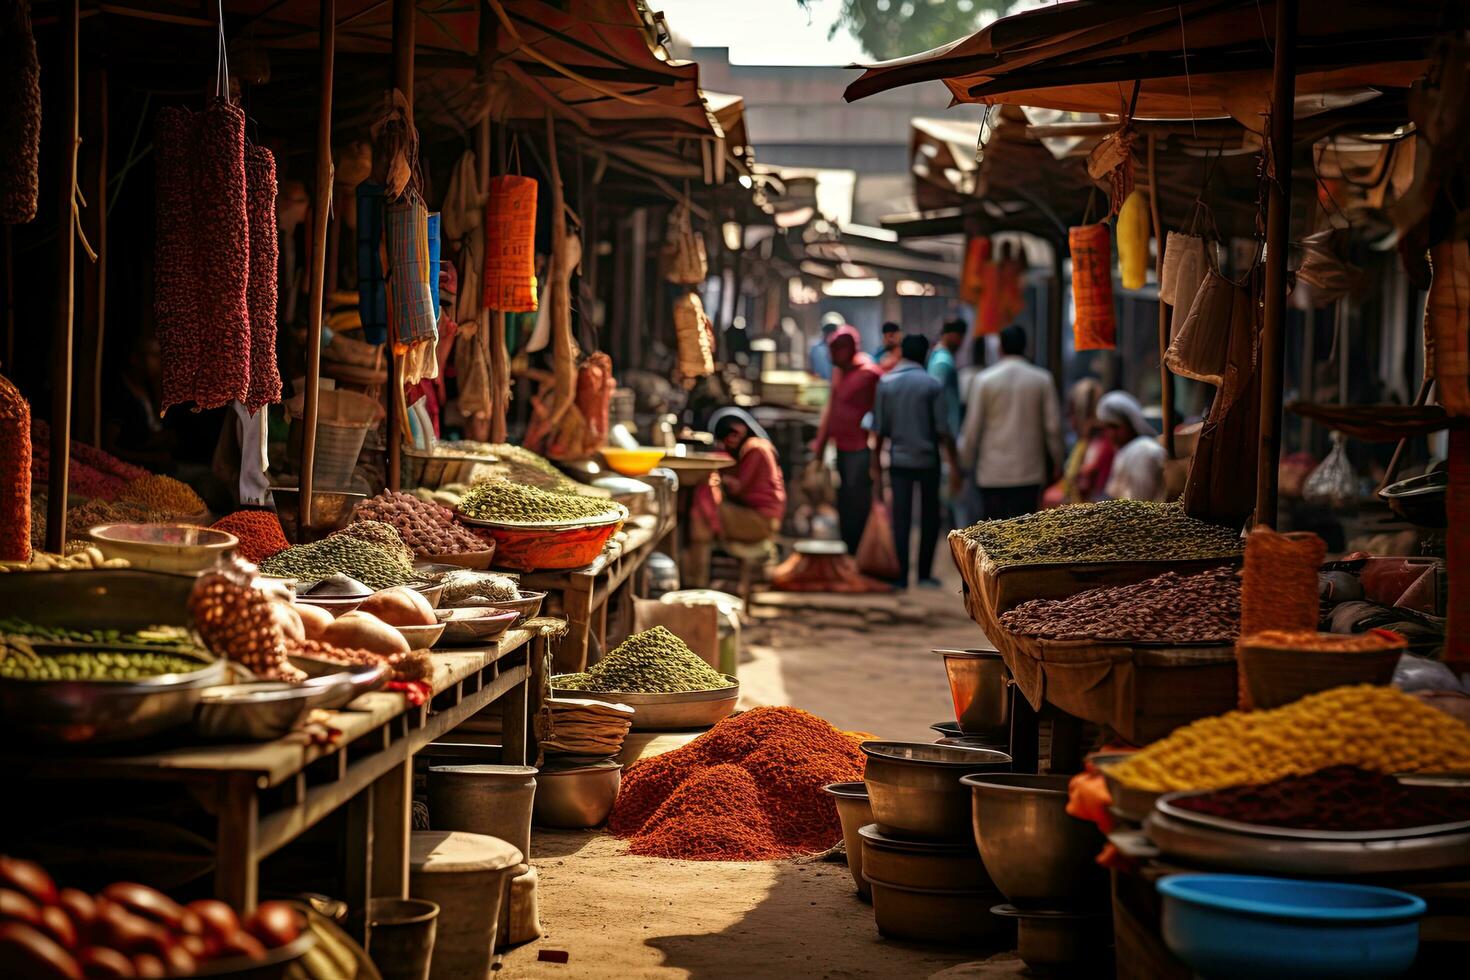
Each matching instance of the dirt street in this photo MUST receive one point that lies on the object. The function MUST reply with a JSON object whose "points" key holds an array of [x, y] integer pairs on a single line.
{"points": [[863, 664]]}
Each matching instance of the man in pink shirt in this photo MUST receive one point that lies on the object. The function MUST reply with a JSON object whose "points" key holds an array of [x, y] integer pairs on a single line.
{"points": [[855, 379], [745, 503]]}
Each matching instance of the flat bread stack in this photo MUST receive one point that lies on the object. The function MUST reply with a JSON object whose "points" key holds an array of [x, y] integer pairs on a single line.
{"points": [[577, 726]]}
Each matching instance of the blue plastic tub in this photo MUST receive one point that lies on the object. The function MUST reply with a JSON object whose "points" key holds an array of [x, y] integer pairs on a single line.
{"points": [[1230, 926]]}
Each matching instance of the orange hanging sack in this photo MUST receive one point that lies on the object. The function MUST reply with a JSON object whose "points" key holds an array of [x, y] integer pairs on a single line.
{"points": [[510, 245], [972, 276], [1094, 326], [1278, 587]]}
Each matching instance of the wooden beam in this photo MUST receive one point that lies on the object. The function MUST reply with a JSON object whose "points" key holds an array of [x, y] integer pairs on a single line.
{"points": [[65, 164], [93, 300], [1278, 222], [317, 285]]}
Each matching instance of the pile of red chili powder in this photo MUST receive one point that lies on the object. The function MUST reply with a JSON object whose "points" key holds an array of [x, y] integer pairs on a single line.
{"points": [[749, 789], [259, 532]]}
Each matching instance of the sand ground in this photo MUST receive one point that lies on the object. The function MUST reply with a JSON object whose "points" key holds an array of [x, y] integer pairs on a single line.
{"points": [[867, 667]]}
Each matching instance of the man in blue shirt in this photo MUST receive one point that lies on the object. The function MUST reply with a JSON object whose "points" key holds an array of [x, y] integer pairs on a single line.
{"points": [[818, 358], [909, 414], [887, 353], [942, 368]]}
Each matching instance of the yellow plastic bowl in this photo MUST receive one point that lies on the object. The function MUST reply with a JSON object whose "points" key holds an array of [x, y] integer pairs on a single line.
{"points": [[632, 462]]}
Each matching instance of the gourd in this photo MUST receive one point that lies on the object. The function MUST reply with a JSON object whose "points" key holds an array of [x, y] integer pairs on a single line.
{"points": [[1133, 234]]}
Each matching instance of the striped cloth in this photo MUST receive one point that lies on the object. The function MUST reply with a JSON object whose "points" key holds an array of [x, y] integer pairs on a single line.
{"points": [[410, 299]]}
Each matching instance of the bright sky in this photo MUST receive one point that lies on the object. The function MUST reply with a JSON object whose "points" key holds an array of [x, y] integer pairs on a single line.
{"points": [[764, 32]]}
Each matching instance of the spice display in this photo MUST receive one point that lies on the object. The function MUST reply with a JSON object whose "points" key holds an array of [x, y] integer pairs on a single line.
{"points": [[1373, 641], [238, 621], [165, 639], [652, 662], [1376, 728], [165, 494], [385, 536], [415, 665], [1339, 798], [425, 527], [259, 532], [512, 503], [1112, 530], [83, 559], [369, 563], [749, 789], [89, 514], [460, 586], [1171, 608], [15, 465]]}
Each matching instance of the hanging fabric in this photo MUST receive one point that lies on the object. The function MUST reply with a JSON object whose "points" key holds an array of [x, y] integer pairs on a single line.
{"points": [[1094, 325], [435, 251], [20, 116], [972, 275], [410, 295], [1200, 348], [372, 293], [683, 254], [464, 232], [1184, 273], [510, 244], [260, 205]]}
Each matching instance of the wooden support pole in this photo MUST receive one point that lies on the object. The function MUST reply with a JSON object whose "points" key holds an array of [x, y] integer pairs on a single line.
{"points": [[1166, 380], [65, 163], [1278, 223], [1054, 314], [327, 48], [404, 13], [92, 301], [492, 322], [7, 272]]}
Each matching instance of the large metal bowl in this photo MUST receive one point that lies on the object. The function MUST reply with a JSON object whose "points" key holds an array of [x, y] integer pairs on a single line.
{"points": [[667, 712], [256, 712], [855, 812], [915, 786], [1038, 855], [979, 686], [577, 798], [180, 549]]}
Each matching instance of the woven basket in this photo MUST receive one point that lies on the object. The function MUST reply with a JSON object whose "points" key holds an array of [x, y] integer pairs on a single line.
{"points": [[1278, 676]]}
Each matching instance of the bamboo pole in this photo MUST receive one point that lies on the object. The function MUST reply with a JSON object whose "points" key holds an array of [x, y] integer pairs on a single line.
{"points": [[492, 322], [1054, 314], [327, 45], [1278, 222], [1166, 380], [93, 301], [403, 51], [66, 178]]}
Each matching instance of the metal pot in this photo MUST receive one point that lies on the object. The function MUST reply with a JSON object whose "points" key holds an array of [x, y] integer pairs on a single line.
{"points": [[574, 799], [855, 812], [915, 788], [980, 689], [939, 865], [1038, 855], [951, 918], [1058, 942]]}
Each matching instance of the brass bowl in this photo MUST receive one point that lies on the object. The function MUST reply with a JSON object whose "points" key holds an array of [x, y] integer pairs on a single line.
{"points": [[915, 786]]}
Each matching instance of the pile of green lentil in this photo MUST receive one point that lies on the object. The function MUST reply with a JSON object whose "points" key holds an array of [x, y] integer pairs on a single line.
{"points": [[380, 533], [171, 650], [370, 563], [514, 503], [1112, 530], [652, 662], [90, 666]]}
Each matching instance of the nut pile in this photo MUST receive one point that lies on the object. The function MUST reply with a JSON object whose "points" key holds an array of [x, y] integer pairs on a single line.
{"points": [[652, 662], [425, 527], [163, 493], [1171, 608], [512, 503], [1380, 729], [371, 564], [1112, 530]]}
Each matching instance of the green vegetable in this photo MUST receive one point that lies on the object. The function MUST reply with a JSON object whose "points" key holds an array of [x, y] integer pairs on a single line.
{"points": [[19, 663], [500, 500], [1113, 530], [652, 662], [369, 563]]}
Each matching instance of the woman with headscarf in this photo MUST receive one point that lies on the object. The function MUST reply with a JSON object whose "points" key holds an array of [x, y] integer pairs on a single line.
{"points": [[1138, 469], [1091, 460], [744, 503]]}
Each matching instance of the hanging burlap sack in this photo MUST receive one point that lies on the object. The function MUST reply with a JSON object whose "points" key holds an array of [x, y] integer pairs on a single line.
{"points": [[1200, 347], [683, 255], [1094, 326], [20, 116], [692, 328], [510, 240]]}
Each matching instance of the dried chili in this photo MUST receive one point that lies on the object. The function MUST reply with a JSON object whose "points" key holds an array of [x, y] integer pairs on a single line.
{"points": [[259, 532], [15, 474]]}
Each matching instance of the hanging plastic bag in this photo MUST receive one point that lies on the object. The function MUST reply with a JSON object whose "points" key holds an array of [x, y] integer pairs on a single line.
{"points": [[877, 555], [1334, 484], [683, 255], [510, 239], [1094, 325]]}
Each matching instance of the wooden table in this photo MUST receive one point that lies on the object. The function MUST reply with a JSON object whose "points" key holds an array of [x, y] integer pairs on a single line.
{"points": [[264, 795], [583, 594]]}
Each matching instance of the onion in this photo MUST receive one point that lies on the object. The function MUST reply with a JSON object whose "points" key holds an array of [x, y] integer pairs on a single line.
{"points": [[218, 918], [314, 619], [399, 606], [101, 963], [275, 924], [364, 631], [241, 943], [29, 878], [80, 907], [16, 907], [29, 953], [58, 926], [147, 902]]}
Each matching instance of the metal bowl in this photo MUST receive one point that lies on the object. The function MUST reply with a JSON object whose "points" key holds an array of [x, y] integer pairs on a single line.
{"points": [[1419, 499], [432, 591], [946, 917], [667, 712], [528, 605], [330, 511], [179, 549], [940, 865], [353, 680], [254, 712], [577, 798], [71, 712], [1133, 805], [915, 786], [856, 813], [1058, 942], [979, 686], [421, 637], [475, 624], [1038, 855]]}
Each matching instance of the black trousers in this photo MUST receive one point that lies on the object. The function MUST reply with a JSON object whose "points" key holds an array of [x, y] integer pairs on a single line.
{"points": [[854, 495], [1000, 503], [905, 480]]}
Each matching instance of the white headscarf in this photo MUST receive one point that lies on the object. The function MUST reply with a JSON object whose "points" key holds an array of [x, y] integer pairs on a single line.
{"points": [[1121, 408]]}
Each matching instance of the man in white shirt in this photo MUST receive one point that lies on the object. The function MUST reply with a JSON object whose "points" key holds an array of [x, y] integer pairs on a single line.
{"points": [[1012, 439]]}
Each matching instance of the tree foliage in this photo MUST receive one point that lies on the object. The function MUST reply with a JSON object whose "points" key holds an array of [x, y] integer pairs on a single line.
{"points": [[894, 28]]}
